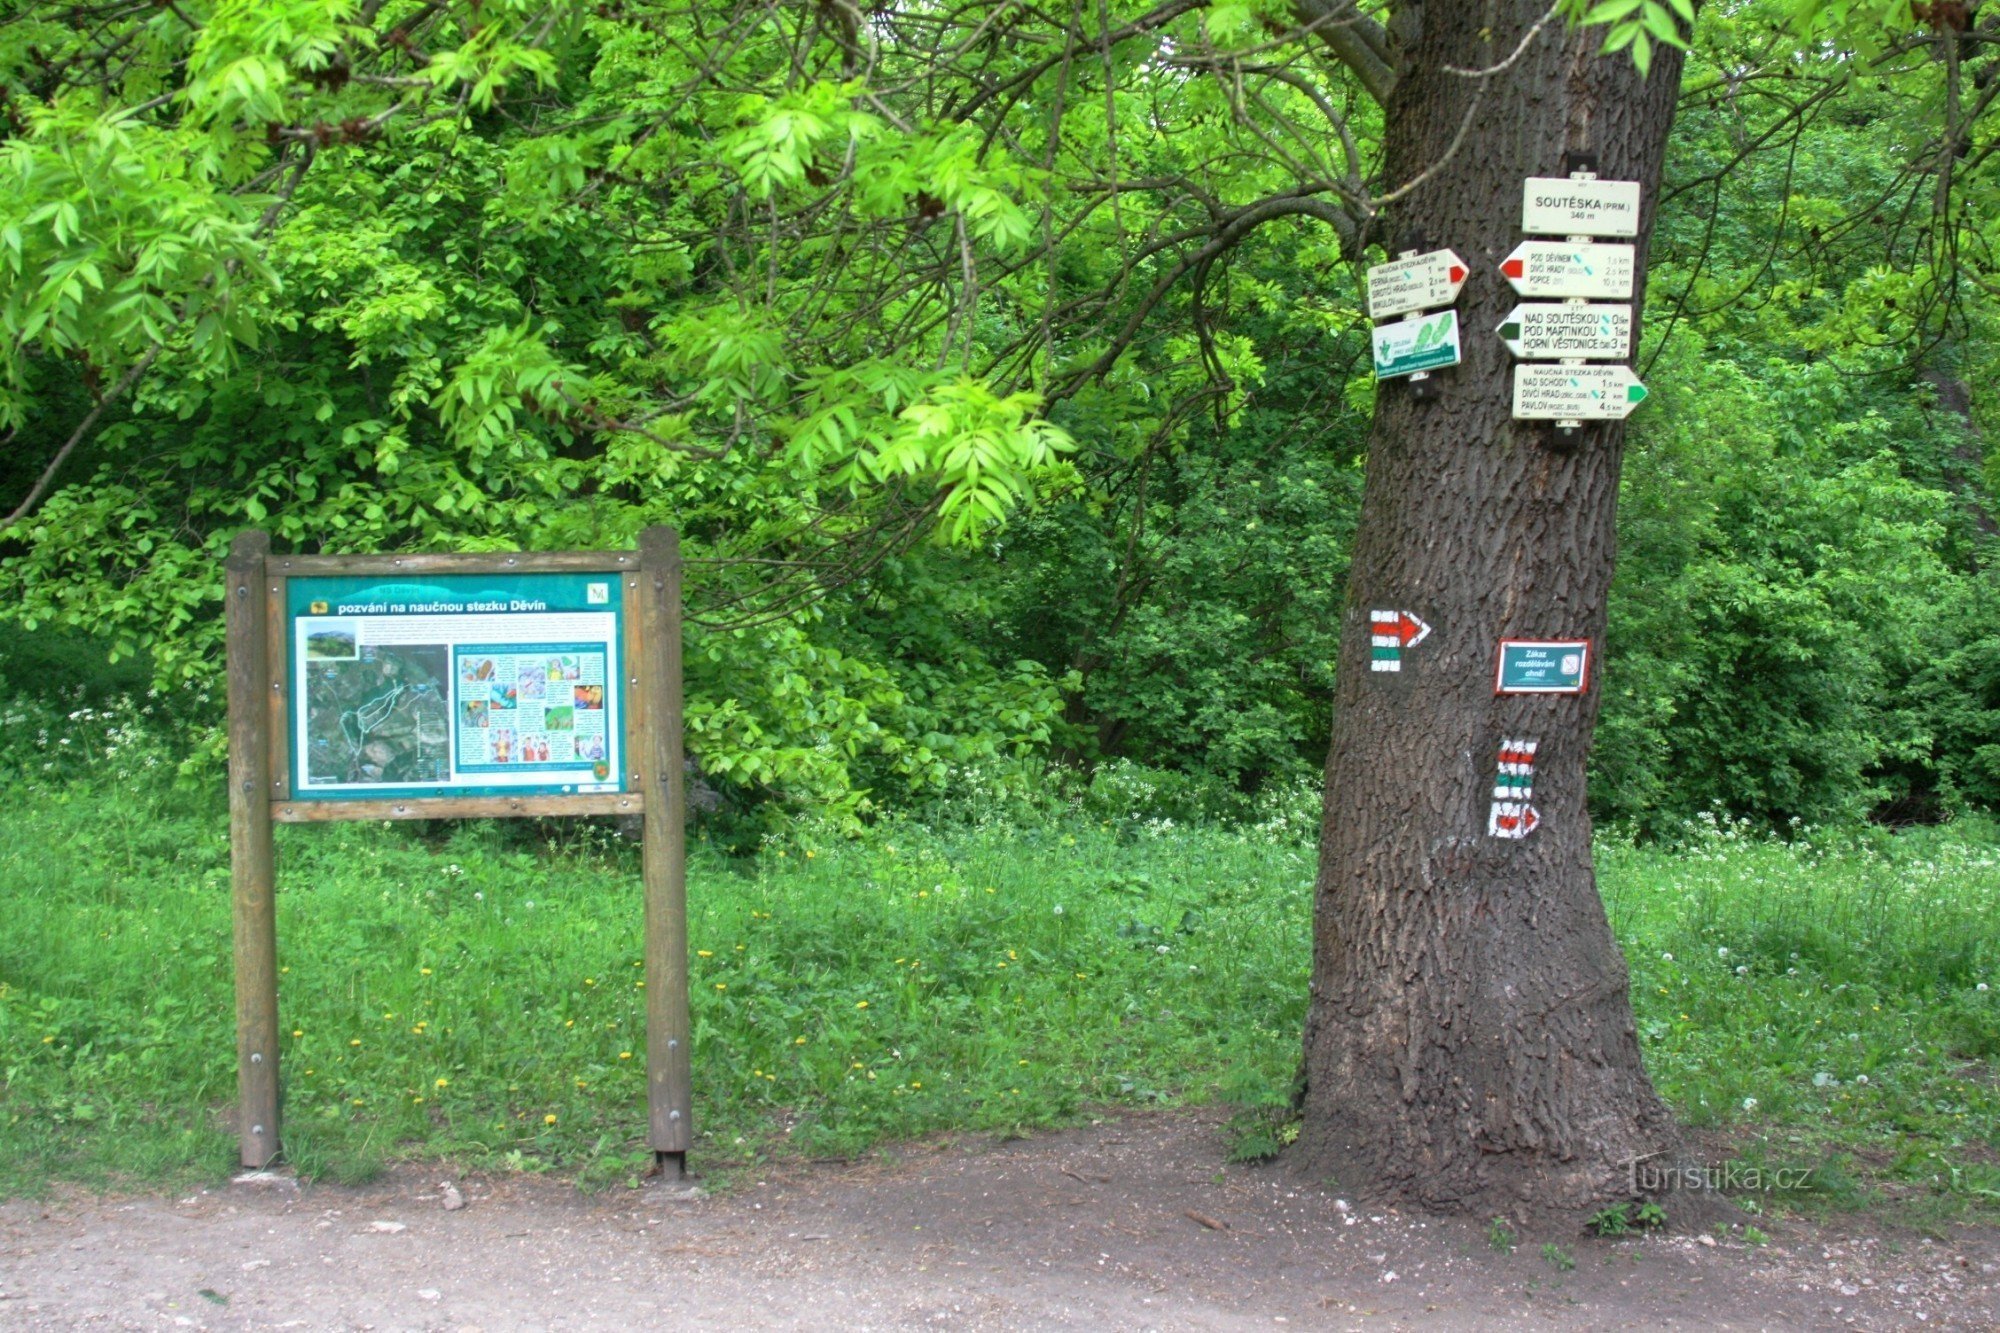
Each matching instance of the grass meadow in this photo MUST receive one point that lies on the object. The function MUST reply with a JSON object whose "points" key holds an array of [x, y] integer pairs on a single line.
{"points": [[473, 991]]}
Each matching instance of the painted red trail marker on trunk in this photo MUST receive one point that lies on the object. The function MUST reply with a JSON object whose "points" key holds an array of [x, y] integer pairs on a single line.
{"points": [[1512, 819], [1390, 632]]}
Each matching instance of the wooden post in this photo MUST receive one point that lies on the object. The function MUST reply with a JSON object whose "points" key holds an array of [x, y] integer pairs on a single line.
{"points": [[669, 1069], [252, 869]]}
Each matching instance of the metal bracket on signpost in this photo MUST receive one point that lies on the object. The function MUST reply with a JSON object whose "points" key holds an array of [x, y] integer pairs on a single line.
{"points": [[1581, 166], [1422, 390]]}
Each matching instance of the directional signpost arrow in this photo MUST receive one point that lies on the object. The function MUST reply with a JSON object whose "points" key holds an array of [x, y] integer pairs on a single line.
{"points": [[1419, 282], [1412, 345], [1575, 393], [1555, 206], [1597, 332], [1591, 269]]}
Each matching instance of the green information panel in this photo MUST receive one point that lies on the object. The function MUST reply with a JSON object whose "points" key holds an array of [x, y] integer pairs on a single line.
{"points": [[1543, 666], [455, 685]]}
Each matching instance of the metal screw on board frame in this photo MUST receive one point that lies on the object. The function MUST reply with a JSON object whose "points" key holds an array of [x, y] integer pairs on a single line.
{"points": [[673, 1115], [256, 1057], [256, 1129]]}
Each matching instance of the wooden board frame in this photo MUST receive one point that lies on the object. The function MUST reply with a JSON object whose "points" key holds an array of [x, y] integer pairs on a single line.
{"points": [[260, 796]]}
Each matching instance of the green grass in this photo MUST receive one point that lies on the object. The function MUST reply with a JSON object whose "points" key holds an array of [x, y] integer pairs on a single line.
{"points": [[467, 991], [472, 991]]}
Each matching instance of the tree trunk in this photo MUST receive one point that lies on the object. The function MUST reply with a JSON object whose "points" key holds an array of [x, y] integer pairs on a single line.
{"points": [[1470, 1044]]}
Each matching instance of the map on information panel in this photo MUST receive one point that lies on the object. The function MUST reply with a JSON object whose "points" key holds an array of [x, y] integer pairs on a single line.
{"points": [[458, 685]]}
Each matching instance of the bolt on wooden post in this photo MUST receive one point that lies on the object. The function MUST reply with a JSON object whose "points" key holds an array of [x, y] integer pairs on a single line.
{"points": [[456, 687]]}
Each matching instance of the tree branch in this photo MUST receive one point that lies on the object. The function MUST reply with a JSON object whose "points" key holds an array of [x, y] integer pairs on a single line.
{"points": [[43, 482], [1355, 40]]}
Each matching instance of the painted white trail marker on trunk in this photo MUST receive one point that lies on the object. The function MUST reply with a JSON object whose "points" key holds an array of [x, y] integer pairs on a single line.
{"points": [[1418, 282], [1588, 269], [1389, 633], [1575, 393], [1568, 206], [1562, 331], [1512, 819]]}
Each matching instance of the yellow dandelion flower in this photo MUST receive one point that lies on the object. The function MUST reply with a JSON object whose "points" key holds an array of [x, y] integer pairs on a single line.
{"points": [[443, 1083], [296, 1032], [590, 981], [624, 1055], [916, 1085], [569, 1023], [548, 1120], [704, 953], [862, 1004], [423, 971], [48, 1039], [798, 1041], [355, 1042], [809, 855], [721, 985]]}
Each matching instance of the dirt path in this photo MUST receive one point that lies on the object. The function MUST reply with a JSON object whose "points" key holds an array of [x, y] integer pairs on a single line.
{"points": [[1120, 1226]]}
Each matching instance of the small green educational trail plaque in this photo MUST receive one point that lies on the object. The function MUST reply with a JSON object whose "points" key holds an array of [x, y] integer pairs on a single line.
{"points": [[1543, 666], [1411, 346]]}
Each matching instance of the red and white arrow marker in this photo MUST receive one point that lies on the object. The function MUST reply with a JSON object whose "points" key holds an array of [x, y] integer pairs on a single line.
{"points": [[1390, 632], [1512, 819]]}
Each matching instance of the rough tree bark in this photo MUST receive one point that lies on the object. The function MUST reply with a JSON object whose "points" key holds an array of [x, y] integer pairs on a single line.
{"points": [[1470, 1044]]}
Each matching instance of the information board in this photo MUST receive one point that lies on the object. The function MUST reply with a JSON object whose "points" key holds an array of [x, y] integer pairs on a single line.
{"points": [[1543, 666], [455, 685]]}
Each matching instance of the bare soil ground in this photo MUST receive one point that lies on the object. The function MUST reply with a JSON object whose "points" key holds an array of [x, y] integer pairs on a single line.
{"points": [[1133, 1223]]}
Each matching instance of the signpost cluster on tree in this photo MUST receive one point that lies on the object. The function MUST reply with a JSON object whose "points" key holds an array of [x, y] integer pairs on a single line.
{"points": [[1588, 318]]}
